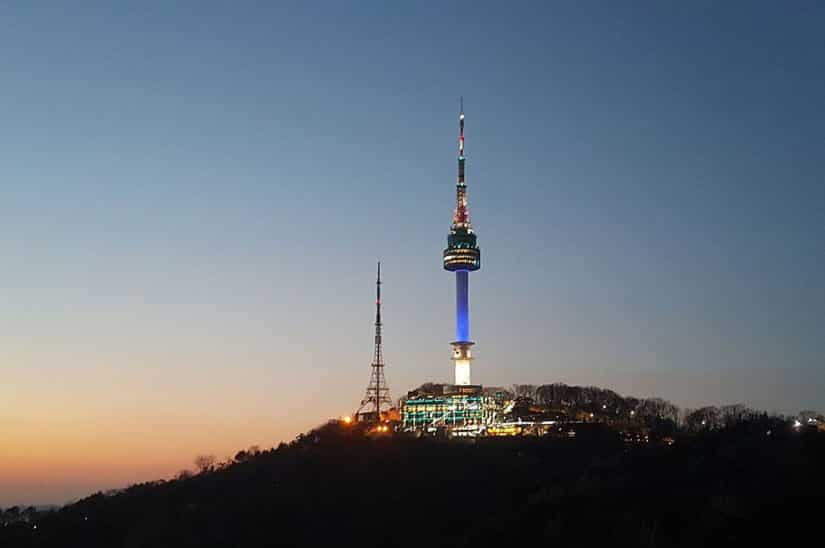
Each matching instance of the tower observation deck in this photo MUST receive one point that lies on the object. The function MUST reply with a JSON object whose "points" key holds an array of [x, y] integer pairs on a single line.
{"points": [[462, 256]]}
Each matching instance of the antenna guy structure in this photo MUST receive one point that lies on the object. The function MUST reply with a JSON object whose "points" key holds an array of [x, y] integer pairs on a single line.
{"points": [[378, 392]]}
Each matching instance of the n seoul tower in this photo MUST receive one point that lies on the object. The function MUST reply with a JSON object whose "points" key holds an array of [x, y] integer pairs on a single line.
{"points": [[462, 256]]}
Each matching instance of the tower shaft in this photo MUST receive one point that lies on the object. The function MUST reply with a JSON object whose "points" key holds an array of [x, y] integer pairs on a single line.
{"points": [[462, 305]]}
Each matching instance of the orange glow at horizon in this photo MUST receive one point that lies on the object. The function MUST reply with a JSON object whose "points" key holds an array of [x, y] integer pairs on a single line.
{"points": [[66, 436], [72, 458]]}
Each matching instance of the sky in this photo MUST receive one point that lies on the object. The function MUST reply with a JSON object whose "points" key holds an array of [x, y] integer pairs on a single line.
{"points": [[193, 197]]}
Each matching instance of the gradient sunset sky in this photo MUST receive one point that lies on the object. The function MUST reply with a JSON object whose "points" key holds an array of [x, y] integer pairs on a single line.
{"points": [[193, 196]]}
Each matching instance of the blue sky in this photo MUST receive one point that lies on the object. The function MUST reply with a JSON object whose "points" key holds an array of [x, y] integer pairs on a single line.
{"points": [[193, 197]]}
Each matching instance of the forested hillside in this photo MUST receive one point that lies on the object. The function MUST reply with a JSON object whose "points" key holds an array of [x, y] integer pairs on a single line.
{"points": [[335, 486]]}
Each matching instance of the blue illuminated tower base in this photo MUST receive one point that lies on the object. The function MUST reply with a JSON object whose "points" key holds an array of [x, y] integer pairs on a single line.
{"points": [[462, 357]]}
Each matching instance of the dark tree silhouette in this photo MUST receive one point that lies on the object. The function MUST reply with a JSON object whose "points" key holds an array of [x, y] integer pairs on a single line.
{"points": [[205, 463]]}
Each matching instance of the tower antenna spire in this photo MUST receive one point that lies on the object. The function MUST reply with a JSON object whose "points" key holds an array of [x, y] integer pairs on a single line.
{"points": [[461, 217]]}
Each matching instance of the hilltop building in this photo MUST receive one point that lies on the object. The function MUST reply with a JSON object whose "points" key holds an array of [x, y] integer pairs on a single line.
{"points": [[462, 409]]}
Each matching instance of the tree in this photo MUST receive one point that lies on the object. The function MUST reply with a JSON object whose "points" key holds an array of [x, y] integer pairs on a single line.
{"points": [[550, 394], [652, 410], [525, 390], [704, 418], [205, 463], [733, 415], [184, 474]]}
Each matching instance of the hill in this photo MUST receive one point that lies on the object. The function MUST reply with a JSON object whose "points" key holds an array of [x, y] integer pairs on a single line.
{"points": [[337, 486]]}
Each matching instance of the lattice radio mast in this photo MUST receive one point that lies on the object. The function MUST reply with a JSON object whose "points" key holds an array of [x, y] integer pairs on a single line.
{"points": [[378, 392]]}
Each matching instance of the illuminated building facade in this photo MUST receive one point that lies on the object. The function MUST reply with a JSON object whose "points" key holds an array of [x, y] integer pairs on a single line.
{"points": [[461, 410], [462, 256], [450, 410]]}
